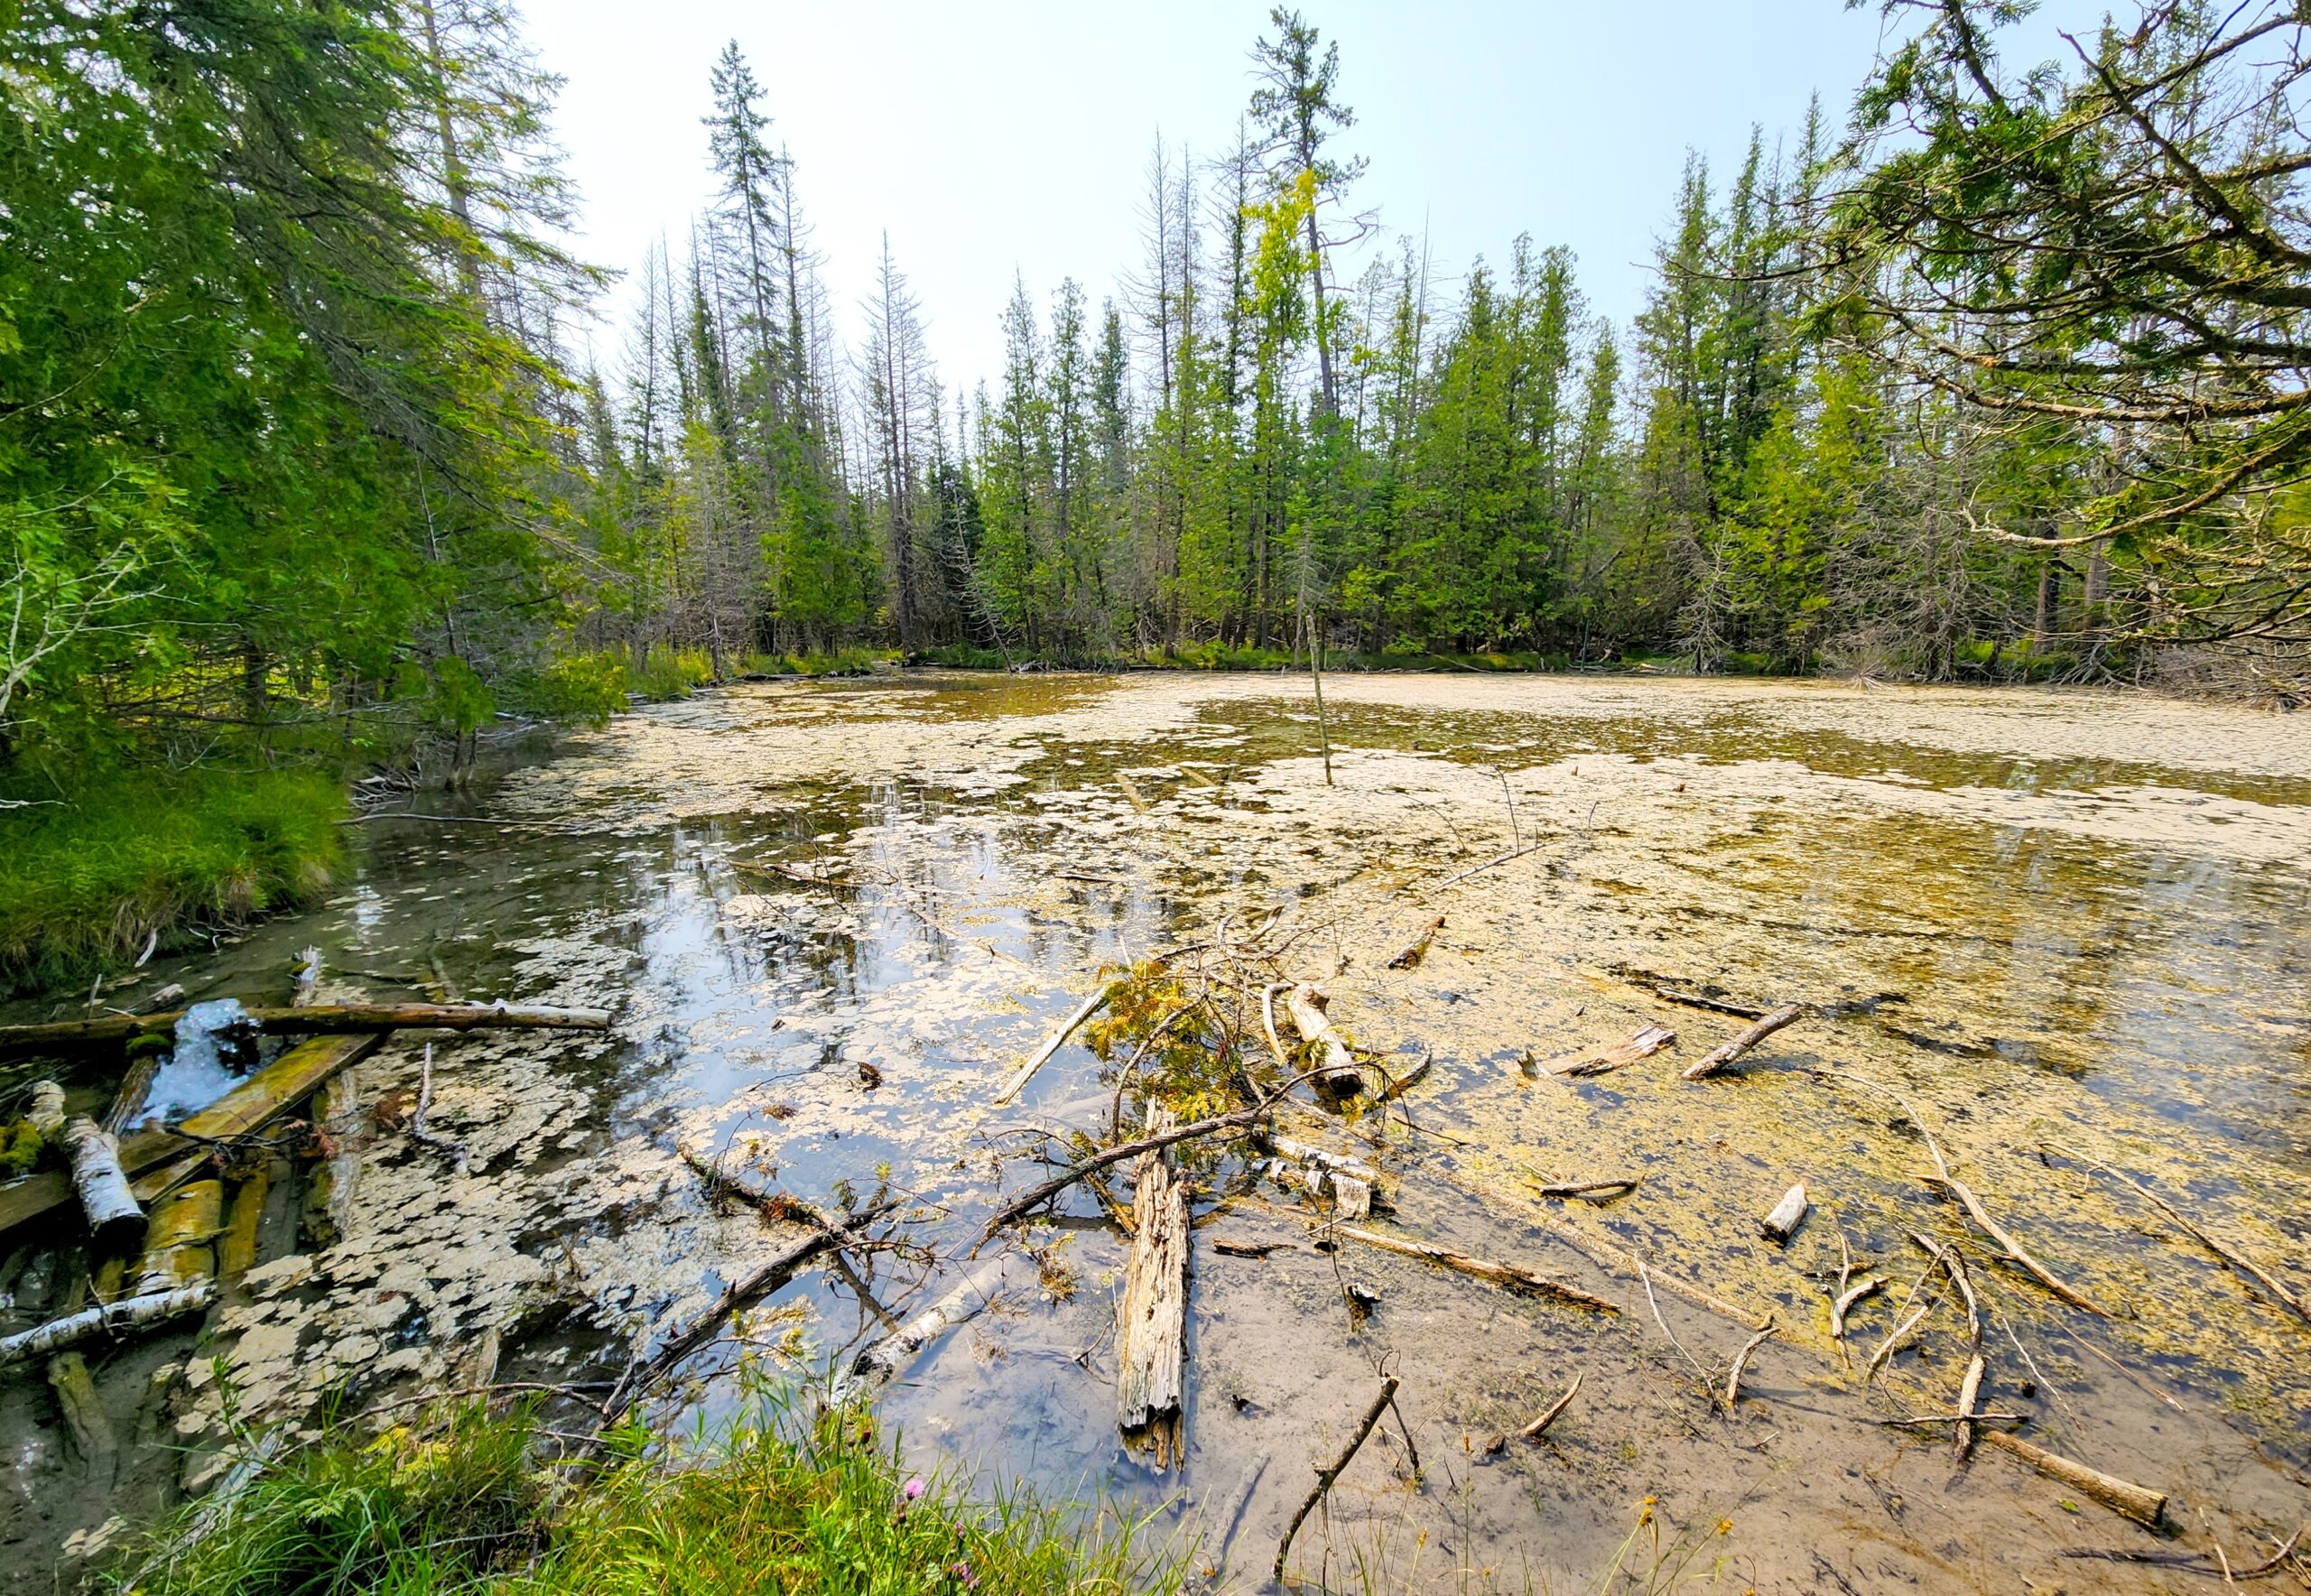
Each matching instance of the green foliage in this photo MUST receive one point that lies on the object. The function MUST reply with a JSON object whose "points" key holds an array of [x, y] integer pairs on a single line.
{"points": [[776, 1503], [90, 876]]}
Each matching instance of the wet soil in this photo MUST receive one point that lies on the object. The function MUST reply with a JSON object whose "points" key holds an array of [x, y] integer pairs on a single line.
{"points": [[2039, 918]]}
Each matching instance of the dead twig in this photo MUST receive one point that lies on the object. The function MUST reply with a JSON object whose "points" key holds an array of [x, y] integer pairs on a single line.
{"points": [[1325, 1477]]}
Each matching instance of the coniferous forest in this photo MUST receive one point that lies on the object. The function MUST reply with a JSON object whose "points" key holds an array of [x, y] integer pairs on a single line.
{"points": [[1996, 374]]}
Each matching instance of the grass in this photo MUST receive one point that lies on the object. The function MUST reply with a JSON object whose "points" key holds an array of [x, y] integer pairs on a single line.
{"points": [[774, 1502], [87, 877]]}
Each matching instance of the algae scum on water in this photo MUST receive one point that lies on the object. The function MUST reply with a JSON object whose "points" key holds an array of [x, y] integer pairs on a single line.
{"points": [[2061, 935]]}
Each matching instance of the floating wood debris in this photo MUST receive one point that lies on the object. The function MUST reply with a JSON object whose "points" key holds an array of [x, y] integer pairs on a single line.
{"points": [[1306, 1004], [1716, 1059], [106, 1319], [116, 1219], [1615, 1186], [114, 1031], [1781, 1224], [1055, 1042], [1481, 1268], [1412, 952], [2144, 1506], [1647, 1042], [1151, 1318], [1843, 1304], [1349, 1181], [890, 1358]]}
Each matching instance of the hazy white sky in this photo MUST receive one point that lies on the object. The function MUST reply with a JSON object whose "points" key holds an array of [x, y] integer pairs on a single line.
{"points": [[995, 137]]}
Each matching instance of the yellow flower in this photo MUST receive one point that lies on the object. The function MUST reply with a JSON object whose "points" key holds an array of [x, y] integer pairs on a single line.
{"points": [[1725, 1526]]}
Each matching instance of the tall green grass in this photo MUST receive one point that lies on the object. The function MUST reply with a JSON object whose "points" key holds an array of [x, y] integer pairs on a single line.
{"points": [[88, 874], [775, 1502]]}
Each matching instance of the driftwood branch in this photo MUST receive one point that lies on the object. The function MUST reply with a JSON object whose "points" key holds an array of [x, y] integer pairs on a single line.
{"points": [[1240, 1120], [2144, 1506], [1710, 1063], [1617, 1186], [1055, 1042], [1325, 1476], [81, 1037], [1413, 951], [1742, 1361], [1647, 1042], [1481, 1269], [1539, 1426]]}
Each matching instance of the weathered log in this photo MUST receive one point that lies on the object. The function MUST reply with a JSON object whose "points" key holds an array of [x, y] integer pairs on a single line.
{"points": [[1055, 1042], [1151, 1318], [1788, 1214], [116, 1219], [128, 1314], [1325, 1476], [177, 1245], [1617, 1185], [330, 1183], [249, 1107], [2144, 1507], [1305, 1005], [114, 1031], [1350, 1182], [236, 1245], [1413, 951], [891, 1357], [1481, 1269], [1716, 1059], [1647, 1042], [44, 1109]]}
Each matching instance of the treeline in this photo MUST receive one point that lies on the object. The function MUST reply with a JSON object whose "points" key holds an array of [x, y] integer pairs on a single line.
{"points": [[1850, 430]]}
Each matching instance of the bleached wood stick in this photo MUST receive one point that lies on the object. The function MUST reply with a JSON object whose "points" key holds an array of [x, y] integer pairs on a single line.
{"points": [[1412, 952], [1305, 1005], [2144, 1507], [1716, 1059], [1647, 1042], [1055, 1042], [1481, 1268], [129, 1313]]}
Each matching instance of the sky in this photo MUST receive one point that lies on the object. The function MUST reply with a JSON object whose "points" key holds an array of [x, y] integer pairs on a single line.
{"points": [[1010, 136]]}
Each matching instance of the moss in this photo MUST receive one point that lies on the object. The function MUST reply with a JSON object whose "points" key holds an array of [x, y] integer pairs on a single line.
{"points": [[776, 1503], [85, 878]]}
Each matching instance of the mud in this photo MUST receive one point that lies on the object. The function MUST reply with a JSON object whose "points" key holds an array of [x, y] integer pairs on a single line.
{"points": [[2039, 917]]}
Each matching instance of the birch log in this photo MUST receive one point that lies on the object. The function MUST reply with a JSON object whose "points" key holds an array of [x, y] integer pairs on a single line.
{"points": [[1716, 1059], [44, 1109], [1151, 1319], [128, 1312], [115, 1220], [1788, 1214], [1305, 1003]]}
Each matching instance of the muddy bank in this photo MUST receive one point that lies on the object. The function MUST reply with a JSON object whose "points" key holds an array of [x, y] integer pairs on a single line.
{"points": [[2074, 919]]}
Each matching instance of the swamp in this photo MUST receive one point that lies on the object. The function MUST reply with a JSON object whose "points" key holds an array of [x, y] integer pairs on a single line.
{"points": [[1455, 968]]}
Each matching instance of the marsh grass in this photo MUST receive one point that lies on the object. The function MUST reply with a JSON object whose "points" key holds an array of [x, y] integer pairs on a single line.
{"points": [[777, 1500], [87, 875]]}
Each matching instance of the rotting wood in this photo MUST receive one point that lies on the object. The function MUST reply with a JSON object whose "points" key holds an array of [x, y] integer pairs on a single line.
{"points": [[178, 1250], [1151, 1318], [1481, 1269], [1619, 1186], [82, 1036], [1349, 1181], [1742, 1361], [2144, 1506], [236, 1245], [1325, 1476], [642, 1373], [1245, 1249], [1716, 1059], [1782, 1222], [1055, 1042], [2229, 1254], [116, 1219], [1647, 1042], [1305, 1003], [133, 1312], [1400, 1084], [892, 1356], [329, 1186], [1843, 1304], [83, 1413], [44, 1109], [1413, 951]]}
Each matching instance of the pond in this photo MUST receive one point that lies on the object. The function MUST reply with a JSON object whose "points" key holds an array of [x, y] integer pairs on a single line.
{"points": [[2067, 936]]}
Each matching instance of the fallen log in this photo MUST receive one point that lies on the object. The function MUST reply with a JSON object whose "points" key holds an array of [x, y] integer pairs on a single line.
{"points": [[1716, 1059], [114, 1031], [1481, 1269], [177, 1245], [128, 1314], [1151, 1318], [1412, 952], [1055, 1042], [890, 1358], [1788, 1214], [1350, 1182], [2229, 1254], [1325, 1476], [236, 1245], [83, 1413], [116, 1219], [44, 1109], [328, 1199], [135, 1085], [1647, 1042], [1305, 1005], [1617, 1185], [249, 1107], [2144, 1507]]}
